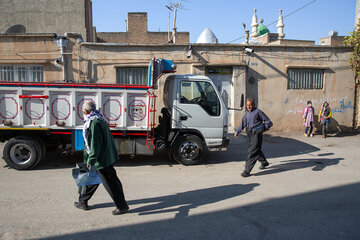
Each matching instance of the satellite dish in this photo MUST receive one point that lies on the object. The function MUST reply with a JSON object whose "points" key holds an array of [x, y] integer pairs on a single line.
{"points": [[18, 28], [333, 33]]}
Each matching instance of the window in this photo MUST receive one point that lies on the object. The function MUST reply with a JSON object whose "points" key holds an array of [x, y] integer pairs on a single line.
{"points": [[200, 93], [20, 73], [305, 78], [132, 75]]}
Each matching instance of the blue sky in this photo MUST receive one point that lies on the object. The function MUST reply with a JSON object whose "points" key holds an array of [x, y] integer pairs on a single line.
{"points": [[225, 17]]}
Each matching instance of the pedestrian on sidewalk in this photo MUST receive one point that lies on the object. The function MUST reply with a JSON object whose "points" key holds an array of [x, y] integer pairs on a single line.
{"points": [[308, 116], [256, 122], [100, 151], [324, 118]]}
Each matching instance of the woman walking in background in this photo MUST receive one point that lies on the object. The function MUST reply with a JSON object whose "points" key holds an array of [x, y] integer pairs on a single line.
{"points": [[324, 118], [308, 116]]}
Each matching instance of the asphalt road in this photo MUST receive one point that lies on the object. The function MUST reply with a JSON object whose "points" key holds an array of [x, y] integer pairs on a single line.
{"points": [[310, 191]]}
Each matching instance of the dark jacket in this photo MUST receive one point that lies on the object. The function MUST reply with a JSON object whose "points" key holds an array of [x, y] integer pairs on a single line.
{"points": [[101, 143], [253, 119]]}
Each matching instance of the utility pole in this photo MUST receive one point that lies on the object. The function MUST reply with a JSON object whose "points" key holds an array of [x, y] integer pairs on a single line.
{"points": [[170, 9], [173, 7]]}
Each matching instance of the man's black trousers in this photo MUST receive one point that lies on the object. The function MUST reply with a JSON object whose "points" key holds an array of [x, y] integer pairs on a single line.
{"points": [[254, 152], [112, 185]]}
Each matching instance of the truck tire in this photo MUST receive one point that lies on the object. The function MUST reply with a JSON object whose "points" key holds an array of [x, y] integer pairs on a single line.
{"points": [[39, 144], [20, 153], [188, 150]]}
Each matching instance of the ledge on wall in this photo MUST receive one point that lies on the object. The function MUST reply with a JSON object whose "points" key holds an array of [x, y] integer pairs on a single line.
{"points": [[307, 66]]}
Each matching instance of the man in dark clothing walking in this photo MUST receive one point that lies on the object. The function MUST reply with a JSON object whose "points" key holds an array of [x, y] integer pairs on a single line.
{"points": [[256, 122], [100, 151]]}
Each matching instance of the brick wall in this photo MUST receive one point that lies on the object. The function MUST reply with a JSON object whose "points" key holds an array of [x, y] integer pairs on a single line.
{"points": [[137, 33]]}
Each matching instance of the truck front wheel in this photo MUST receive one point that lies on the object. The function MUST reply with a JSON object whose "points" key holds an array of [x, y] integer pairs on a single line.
{"points": [[20, 153], [188, 150]]}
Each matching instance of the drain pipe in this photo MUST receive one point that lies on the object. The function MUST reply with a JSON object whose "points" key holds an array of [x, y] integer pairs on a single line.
{"points": [[62, 43]]}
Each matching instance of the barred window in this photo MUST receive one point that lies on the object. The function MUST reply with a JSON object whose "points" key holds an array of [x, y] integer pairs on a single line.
{"points": [[305, 78], [132, 75], [20, 73]]}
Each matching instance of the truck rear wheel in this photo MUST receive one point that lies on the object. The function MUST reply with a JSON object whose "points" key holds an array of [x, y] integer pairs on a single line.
{"points": [[39, 144], [21, 153], [188, 150]]}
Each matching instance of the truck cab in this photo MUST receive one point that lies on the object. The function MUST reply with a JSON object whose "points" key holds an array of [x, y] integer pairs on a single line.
{"points": [[195, 116]]}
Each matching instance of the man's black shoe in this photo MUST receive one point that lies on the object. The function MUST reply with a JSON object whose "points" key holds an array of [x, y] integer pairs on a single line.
{"points": [[82, 206], [263, 166], [245, 174], [120, 211]]}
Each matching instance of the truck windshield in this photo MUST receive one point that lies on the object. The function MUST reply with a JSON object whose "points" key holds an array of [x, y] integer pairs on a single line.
{"points": [[200, 93]]}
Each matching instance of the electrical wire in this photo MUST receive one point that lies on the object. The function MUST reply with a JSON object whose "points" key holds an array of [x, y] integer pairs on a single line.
{"points": [[277, 20]]}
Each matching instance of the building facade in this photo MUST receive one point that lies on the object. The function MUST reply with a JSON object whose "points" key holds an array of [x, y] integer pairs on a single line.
{"points": [[50, 16], [281, 78]]}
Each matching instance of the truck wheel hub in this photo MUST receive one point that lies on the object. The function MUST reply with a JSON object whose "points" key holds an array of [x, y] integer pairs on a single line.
{"points": [[189, 150], [20, 154]]}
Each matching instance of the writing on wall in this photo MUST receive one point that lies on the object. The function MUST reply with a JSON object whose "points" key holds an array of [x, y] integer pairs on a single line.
{"points": [[343, 106], [297, 105]]}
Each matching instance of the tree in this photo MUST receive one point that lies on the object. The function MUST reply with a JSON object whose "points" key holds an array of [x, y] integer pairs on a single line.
{"points": [[354, 41], [354, 62]]}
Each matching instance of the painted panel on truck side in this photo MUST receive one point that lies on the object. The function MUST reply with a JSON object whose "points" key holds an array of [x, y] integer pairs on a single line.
{"points": [[137, 111], [112, 109], [61, 108], [9, 108], [34, 109], [81, 98]]}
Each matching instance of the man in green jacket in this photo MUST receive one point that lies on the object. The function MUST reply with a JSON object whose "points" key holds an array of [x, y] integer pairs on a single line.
{"points": [[100, 151]]}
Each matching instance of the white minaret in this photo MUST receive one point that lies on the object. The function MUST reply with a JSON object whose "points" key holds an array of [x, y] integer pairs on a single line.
{"points": [[254, 26], [280, 25]]}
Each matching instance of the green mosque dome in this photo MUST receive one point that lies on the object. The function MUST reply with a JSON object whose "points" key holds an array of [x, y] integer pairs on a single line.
{"points": [[262, 29]]}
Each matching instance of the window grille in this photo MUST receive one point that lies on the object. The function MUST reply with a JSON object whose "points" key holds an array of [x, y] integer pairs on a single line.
{"points": [[20, 73], [305, 78], [132, 75]]}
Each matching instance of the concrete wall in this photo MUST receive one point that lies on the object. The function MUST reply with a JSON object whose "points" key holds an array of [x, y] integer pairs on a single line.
{"points": [[48, 16], [262, 75], [39, 49], [332, 40]]}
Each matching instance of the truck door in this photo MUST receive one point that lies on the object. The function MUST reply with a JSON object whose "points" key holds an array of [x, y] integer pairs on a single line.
{"points": [[222, 78], [200, 108]]}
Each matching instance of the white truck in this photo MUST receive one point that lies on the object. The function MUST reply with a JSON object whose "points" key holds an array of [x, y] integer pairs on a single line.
{"points": [[35, 116]]}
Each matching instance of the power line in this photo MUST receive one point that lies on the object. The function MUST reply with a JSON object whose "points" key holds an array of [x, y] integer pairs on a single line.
{"points": [[277, 20]]}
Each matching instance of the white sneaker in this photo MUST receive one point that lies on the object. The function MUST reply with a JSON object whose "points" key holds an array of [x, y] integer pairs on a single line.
{"points": [[311, 135]]}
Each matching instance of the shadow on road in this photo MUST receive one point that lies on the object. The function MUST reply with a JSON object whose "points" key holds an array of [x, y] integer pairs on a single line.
{"points": [[273, 147], [325, 214], [182, 203], [317, 164]]}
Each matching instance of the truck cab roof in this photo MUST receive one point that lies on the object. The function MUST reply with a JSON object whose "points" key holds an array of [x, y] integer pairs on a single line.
{"points": [[188, 76]]}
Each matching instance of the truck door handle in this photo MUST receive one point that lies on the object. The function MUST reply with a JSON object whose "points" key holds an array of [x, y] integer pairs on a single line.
{"points": [[183, 118]]}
